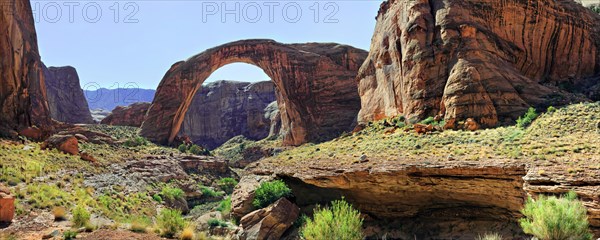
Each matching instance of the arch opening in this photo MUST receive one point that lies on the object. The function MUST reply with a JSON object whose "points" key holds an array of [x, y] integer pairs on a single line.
{"points": [[237, 99], [317, 91]]}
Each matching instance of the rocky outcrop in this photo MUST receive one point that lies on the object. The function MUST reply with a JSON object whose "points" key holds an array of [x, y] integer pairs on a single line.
{"points": [[270, 222], [225, 109], [7, 205], [22, 89], [132, 115], [243, 194], [64, 143], [65, 96], [316, 81], [487, 60]]}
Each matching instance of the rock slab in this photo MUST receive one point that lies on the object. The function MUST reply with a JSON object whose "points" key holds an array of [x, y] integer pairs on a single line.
{"points": [[132, 115], [269, 223]]}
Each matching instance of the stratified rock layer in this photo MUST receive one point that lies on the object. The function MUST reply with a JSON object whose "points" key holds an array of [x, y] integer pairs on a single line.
{"points": [[225, 109], [316, 82], [22, 88], [132, 115], [65, 96], [485, 59]]}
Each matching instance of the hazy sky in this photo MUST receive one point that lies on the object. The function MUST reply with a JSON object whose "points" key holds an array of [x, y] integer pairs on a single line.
{"points": [[149, 36]]}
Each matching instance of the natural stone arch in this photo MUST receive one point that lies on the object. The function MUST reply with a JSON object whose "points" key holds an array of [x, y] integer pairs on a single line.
{"points": [[318, 97]]}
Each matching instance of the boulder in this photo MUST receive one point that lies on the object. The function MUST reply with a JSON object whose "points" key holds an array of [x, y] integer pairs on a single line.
{"points": [[33, 133], [65, 96], [64, 143], [270, 222], [488, 60], [224, 109], [132, 115], [7, 207], [471, 125], [243, 194], [316, 81]]}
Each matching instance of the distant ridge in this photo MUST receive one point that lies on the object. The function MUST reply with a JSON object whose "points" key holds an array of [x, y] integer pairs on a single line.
{"points": [[108, 99]]}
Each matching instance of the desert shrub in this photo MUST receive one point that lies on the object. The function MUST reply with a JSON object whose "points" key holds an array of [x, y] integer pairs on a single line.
{"points": [[59, 213], [157, 198], [595, 8], [213, 222], [552, 218], [209, 192], [68, 235], [187, 233], [428, 120], [526, 119], [227, 184], [225, 206], [136, 142], [81, 216], [340, 221], [490, 236], [140, 224], [169, 222], [182, 148], [171, 193], [269, 192], [197, 150], [551, 109]]}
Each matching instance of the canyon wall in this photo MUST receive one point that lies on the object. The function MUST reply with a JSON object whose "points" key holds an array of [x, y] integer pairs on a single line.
{"points": [[22, 88], [132, 115], [225, 109], [484, 59], [65, 96]]}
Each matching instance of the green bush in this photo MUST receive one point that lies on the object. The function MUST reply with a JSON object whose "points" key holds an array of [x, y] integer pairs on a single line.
{"points": [[490, 236], [340, 221], [182, 148], [169, 222], [136, 142], [81, 216], [429, 120], [68, 235], [595, 8], [157, 198], [209, 192], [552, 218], [225, 206], [227, 184], [270, 192], [213, 222], [526, 119], [551, 109], [171, 193]]}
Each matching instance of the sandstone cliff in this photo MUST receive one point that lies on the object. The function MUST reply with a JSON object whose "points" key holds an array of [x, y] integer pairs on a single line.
{"points": [[22, 88], [132, 115], [225, 109], [316, 81], [489, 60], [65, 96]]}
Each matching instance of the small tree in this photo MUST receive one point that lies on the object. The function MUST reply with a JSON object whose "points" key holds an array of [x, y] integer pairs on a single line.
{"points": [[340, 221], [552, 218]]}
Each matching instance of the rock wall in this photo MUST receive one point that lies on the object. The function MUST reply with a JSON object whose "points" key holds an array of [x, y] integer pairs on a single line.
{"points": [[485, 59], [132, 115], [22, 88], [225, 109], [65, 96], [316, 81]]}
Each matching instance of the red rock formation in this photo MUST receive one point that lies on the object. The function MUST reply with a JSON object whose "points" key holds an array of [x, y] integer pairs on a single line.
{"points": [[65, 96], [315, 80], [22, 88], [486, 59], [225, 109], [7, 205], [132, 115], [64, 143]]}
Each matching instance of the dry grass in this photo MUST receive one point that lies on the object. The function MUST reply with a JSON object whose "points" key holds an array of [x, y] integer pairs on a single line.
{"points": [[59, 213]]}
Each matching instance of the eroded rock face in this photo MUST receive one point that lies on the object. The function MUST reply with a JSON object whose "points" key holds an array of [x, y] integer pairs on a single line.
{"points": [[132, 115], [22, 88], [225, 109], [65, 96], [487, 60], [316, 81]]}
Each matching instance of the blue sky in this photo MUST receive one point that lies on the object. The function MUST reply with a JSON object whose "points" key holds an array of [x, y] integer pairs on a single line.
{"points": [[138, 41]]}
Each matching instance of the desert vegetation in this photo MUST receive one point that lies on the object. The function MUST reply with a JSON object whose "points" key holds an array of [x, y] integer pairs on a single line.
{"points": [[339, 221]]}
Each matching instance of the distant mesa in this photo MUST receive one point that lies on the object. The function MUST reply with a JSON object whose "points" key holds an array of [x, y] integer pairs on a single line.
{"points": [[318, 98], [109, 99], [65, 97], [224, 109]]}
